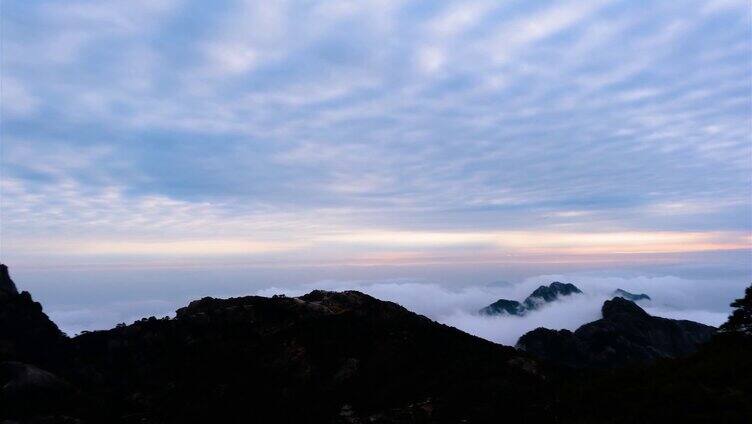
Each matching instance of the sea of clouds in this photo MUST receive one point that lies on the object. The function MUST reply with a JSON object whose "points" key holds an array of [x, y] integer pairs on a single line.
{"points": [[672, 297]]}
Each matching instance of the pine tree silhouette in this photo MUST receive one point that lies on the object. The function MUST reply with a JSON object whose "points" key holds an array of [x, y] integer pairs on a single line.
{"points": [[740, 320]]}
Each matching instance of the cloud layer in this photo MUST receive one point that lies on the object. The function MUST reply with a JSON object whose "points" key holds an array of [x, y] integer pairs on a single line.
{"points": [[672, 297], [302, 129]]}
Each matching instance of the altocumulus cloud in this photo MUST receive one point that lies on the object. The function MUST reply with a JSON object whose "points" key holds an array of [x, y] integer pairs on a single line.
{"points": [[173, 120]]}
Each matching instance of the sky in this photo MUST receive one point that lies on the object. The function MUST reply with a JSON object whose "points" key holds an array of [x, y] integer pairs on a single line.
{"points": [[157, 150]]}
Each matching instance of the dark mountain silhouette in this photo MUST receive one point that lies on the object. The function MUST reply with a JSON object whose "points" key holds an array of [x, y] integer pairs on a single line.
{"points": [[307, 359], [712, 385], [630, 296], [540, 296], [322, 357], [30, 342], [330, 357], [626, 334]]}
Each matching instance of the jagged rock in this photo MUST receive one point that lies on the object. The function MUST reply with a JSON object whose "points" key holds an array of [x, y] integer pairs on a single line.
{"points": [[541, 295], [630, 296], [6, 283], [626, 334]]}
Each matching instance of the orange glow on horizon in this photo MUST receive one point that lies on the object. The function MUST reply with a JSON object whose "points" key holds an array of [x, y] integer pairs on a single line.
{"points": [[352, 245]]}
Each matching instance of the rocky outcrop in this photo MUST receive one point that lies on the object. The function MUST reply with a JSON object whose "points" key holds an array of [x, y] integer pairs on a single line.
{"points": [[539, 297], [6, 283], [630, 296], [626, 334]]}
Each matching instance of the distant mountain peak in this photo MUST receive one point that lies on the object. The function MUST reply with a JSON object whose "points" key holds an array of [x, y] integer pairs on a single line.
{"points": [[634, 297], [545, 294], [541, 295], [6, 283], [504, 306]]}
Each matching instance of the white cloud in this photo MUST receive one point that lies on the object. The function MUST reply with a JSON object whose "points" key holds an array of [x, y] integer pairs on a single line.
{"points": [[253, 32], [16, 99], [430, 59], [511, 37], [232, 57], [458, 18]]}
